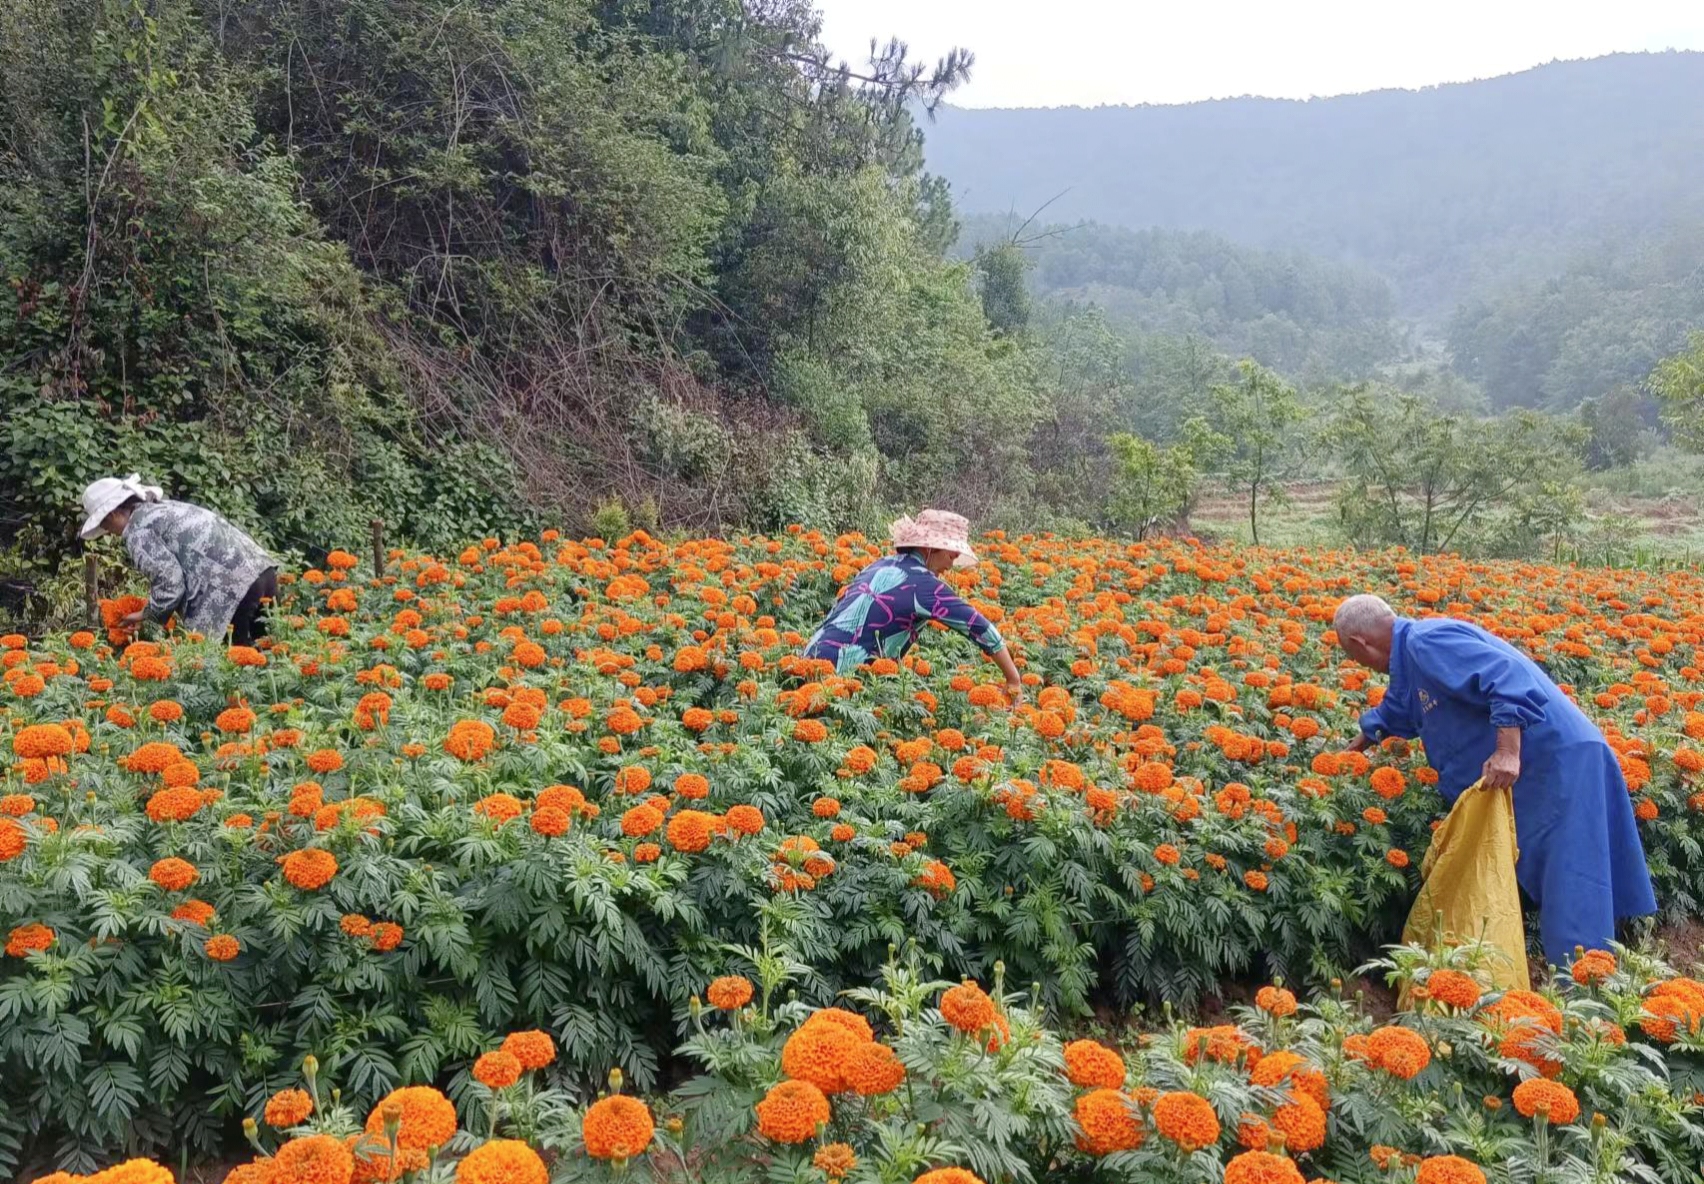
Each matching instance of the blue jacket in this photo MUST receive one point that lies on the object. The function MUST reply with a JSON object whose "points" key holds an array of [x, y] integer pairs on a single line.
{"points": [[1453, 685]]}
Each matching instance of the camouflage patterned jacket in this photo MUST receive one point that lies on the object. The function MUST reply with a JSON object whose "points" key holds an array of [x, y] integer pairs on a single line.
{"points": [[198, 565]]}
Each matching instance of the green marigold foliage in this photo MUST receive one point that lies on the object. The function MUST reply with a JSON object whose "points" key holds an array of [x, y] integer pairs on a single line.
{"points": [[550, 785]]}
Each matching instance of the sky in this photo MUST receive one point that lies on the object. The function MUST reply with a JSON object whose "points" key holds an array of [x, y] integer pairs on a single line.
{"points": [[1091, 52]]}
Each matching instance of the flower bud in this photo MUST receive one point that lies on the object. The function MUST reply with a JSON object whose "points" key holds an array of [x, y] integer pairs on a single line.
{"points": [[615, 1080]]}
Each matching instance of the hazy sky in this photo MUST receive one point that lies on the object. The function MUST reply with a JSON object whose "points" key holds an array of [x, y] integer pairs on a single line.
{"points": [[1063, 52]]}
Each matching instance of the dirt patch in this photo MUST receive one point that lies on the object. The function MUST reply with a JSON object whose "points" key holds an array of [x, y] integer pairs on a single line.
{"points": [[1682, 944]]}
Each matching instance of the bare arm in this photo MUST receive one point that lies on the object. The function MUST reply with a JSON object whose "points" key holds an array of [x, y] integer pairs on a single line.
{"points": [[1504, 766], [1014, 681]]}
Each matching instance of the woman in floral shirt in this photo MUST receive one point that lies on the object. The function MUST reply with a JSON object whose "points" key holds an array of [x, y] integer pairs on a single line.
{"points": [[881, 611]]}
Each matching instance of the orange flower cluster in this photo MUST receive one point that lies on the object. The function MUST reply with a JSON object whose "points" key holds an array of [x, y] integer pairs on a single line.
{"points": [[617, 1127]]}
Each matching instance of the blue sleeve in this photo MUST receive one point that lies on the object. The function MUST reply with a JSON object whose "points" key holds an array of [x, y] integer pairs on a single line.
{"points": [[1470, 667], [941, 603], [1387, 720]]}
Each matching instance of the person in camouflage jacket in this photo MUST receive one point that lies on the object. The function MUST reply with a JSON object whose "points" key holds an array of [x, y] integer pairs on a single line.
{"points": [[209, 573]]}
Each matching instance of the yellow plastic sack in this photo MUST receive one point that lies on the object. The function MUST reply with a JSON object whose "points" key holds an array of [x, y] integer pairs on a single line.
{"points": [[1468, 885]]}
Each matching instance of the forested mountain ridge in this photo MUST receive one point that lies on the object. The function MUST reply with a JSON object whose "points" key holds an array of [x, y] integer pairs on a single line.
{"points": [[1294, 312], [1450, 191]]}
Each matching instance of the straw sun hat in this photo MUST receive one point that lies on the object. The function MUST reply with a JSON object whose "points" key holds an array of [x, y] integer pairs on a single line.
{"points": [[938, 530]]}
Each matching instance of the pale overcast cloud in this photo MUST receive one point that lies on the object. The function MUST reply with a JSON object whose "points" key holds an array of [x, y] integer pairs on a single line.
{"points": [[1065, 52]]}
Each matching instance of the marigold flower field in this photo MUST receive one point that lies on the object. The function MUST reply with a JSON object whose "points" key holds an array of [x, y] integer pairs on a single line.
{"points": [[551, 860]]}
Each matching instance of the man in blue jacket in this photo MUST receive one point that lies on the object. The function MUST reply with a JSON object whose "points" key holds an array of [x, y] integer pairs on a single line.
{"points": [[1486, 712]]}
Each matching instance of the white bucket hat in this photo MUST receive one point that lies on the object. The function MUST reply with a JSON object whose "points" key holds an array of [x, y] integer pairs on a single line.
{"points": [[938, 530], [108, 494]]}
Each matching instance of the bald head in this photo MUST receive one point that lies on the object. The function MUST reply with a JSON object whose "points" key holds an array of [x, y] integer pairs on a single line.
{"points": [[1364, 625]]}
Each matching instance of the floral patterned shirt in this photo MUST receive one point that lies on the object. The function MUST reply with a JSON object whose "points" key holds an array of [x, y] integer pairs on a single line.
{"points": [[881, 610], [198, 565]]}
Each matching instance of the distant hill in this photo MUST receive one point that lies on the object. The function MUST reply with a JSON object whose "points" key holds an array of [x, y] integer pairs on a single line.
{"points": [[1451, 192], [1294, 312]]}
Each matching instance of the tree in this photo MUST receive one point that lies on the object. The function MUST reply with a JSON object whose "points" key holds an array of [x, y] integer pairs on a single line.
{"points": [[1614, 425], [1253, 442], [1005, 297], [1151, 485], [1427, 480], [1679, 382]]}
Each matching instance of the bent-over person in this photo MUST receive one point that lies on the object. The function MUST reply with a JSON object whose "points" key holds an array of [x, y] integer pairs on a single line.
{"points": [[199, 566]]}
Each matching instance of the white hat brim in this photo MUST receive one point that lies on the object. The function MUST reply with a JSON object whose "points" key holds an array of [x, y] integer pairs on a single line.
{"points": [[93, 526]]}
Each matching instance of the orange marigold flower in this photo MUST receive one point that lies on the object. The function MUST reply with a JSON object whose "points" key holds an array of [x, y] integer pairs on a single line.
{"points": [[386, 936], [689, 831], [819, 1053], [1224, 1043], [834, 1160], [748, 820], [634, 779], [355, 925], [729, 993], [1551, 1098], [40, 741], [180, 775], [27, 939], [1302, 1123], [874, 1069], [1447, 1169], [1592, 967], [1088, 1064], [234, 720], [325, 760], [499, 807], [313, 1159], [1454, 989], [470, 740], [1671, 1007], [12, 840], [532, 1048], [1388, 782], [502, 1161], [550, 821], [948, 1176], [256, 1171], [1401, 1052], [174, 805], [1276, 1001], [792, 1111], [428, 1119], [173, 874], [1108, 1121], [1262, 1167], [222, 947], [1187, 1119], [196, 912], [288, 1107], [310, 868], [497, 1070], [967, 1007]]}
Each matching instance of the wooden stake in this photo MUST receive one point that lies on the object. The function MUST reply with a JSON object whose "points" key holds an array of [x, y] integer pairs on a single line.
{"points": [[378, 548], [92, 587]]}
